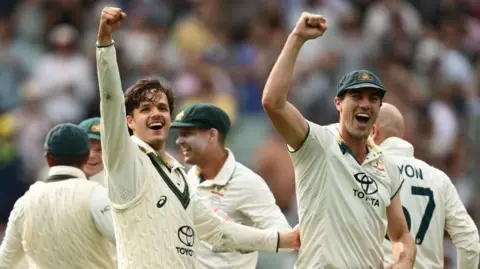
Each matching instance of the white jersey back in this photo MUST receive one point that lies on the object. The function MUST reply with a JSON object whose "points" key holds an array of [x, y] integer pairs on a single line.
{"points": [[58, 230], [341, 204], [424, 209], [428, 199]]}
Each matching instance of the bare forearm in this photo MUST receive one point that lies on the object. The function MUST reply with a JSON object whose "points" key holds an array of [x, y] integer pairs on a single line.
{"points": [[280, 79], [405, 249]]}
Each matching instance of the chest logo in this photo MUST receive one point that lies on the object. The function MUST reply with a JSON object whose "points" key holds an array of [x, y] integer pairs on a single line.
{"points": [[368, 185], [186, 235], [161, 202]]}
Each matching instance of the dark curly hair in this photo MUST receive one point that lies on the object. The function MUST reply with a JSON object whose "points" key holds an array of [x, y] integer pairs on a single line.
{"points": [[147, 89]]}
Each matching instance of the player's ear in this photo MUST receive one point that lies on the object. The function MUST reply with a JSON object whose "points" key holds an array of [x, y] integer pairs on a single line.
{"points": [[338, 102], [130, 122], [212, 135], [50, 159], [374, 133]]}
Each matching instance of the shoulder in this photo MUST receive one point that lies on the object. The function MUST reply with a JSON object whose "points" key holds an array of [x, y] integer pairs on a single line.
{"points": [[246, 178], [391, 164]]}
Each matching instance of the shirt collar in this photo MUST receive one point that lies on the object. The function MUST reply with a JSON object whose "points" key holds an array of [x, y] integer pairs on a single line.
{"points": [[146, 148], [372, 147], [66, 170], [398, 147], [225, 174]]}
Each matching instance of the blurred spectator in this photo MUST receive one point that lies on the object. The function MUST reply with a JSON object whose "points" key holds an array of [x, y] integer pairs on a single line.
{"points": [[222, 51], [32, 124], [203, 82], [196, 32], [11, 165], [12, 72], [64, 77]]}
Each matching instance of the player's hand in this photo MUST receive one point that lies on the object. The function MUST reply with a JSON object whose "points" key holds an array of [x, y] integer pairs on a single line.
{"points": [[290, 240], [310, 26], [110, 20]]}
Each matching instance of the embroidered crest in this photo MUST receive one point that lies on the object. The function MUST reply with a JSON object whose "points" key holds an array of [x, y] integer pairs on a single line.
{"points": [[180, 116], [365, 77], [221, 188], [379, 168]]}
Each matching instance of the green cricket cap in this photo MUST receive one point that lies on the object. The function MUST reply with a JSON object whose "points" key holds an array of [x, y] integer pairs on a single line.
{"points": [[360, 79], [204, 116], [67, 139], [92, 127]]}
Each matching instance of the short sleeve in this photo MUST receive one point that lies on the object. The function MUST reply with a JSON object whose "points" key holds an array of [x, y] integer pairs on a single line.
{"points": [[317, 139]]}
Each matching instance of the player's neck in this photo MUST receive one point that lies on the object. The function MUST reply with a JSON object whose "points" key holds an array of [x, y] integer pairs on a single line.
{"points": [[213, 163], [160, 149], [357, 146]]}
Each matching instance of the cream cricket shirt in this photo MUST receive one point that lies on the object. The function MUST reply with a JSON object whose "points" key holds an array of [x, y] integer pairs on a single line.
{"points": [[99, 178], [245, 197], [157, 218], [341, 204], [431, 205], [60, 224]]}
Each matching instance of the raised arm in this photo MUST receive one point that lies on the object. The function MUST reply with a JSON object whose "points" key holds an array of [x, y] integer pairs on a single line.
{"points": [[461, 228], [223, 233], [288, 121], [11, 250], [118, 149]]}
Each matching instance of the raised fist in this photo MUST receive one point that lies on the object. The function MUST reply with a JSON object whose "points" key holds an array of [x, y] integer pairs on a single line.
{"points": [[110, 20], [310, 26]]}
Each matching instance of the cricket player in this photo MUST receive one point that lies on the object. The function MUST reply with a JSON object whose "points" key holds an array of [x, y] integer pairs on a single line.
{"points": [[157, 218], [228, 184], [65, 221], [430, 201], [346, 188], [94, 167]]}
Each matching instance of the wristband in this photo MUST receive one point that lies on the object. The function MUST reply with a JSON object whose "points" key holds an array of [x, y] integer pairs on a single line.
{"points": [[104, 46]]}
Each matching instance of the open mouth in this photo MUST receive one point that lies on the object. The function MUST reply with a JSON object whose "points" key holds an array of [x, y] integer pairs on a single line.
{"points": [[155, 126], [186, 151], [362, 118]]}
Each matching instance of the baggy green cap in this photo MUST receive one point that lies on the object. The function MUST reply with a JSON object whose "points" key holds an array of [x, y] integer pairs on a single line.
{"points": [[92, 127], [204, 116], [360, 79], [67, 139]]}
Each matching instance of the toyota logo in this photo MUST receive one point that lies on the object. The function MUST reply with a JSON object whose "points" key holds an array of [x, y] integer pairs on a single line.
{"points": [[186, 236], [368, 185]]}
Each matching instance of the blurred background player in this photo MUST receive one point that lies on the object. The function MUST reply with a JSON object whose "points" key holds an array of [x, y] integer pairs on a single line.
{"points": [[430, 201], [229, 185], [344, 200], [156, 217], [94, 167], [65, 221]]}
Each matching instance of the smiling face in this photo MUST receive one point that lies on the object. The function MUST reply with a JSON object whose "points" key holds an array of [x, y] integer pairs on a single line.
{"points": [[94, 164], [193, 143], [151, 120], [359, 111]]}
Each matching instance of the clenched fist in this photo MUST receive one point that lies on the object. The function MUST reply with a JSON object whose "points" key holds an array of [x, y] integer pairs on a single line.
{"points": [[310, 26], [110, 20]]}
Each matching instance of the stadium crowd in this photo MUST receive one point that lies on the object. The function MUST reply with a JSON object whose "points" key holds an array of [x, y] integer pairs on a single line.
{"points": [[427, 54]]}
